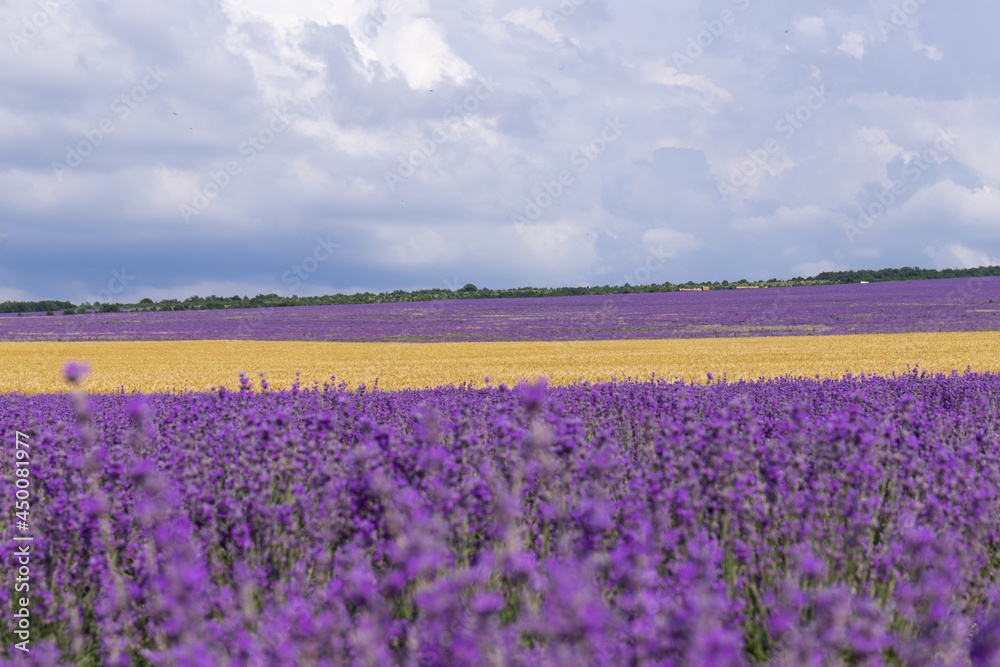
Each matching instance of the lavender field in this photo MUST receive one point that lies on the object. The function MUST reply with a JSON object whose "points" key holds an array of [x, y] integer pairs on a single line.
{"points": [[959, 304], [790, 522], [756, 468]]}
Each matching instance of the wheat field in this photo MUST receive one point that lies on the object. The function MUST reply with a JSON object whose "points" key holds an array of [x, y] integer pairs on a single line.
{"points": [[199, 365]]}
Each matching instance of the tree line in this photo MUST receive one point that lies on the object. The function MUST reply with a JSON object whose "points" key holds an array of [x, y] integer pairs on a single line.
{"points": [[33, 306], [470, 291]]}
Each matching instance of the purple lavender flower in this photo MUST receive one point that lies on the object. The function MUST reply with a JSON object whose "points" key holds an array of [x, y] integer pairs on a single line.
{"points": [[75, 371], [794, 521]]}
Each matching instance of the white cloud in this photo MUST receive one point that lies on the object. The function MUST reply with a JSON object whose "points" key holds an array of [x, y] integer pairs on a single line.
{"points": [[14, 294], [974, 210], [956, 255], [395, 38], [532, 19], [419, 50], [868, 150], [809, 269], [671, 243], [660, 73], [810, 30], [556, 246], [413, 246], [933, 52], [853, 44], [784, 219]]}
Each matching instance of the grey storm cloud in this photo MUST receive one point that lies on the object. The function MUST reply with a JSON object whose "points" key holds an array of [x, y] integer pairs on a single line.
{"points": [[247, 146]]}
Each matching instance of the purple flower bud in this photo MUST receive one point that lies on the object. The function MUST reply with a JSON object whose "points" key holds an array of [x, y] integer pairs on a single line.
{"points": [[139, 412], [75, 371], [985, 648], [140, 471], [94, 460], [96, 505], [533, 395], [487, 603]]}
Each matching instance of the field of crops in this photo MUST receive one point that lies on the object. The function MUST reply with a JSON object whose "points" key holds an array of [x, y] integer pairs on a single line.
{"points": [[960, 304], [170, 511], [201, 365], [787, 522]]}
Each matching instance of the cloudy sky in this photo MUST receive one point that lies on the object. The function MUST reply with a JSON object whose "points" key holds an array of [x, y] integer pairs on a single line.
{"points": [[165, 149]]}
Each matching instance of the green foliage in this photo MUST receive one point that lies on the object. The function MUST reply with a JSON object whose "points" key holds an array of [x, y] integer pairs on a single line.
{"points": [[905, 273], [33, 306]]}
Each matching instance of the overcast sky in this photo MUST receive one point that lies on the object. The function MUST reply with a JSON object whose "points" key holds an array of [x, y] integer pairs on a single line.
{"points": [[165, 149]]}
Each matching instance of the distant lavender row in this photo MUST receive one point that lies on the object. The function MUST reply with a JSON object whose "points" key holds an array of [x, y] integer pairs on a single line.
{"points": [[792, 522], [961, 304]]}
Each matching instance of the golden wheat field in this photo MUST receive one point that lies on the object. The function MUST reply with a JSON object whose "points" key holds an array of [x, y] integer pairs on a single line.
{"points": [[200, 365]]}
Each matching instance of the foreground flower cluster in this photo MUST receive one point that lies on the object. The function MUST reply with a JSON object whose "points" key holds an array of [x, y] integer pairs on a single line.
{"points": [[791, 522]]}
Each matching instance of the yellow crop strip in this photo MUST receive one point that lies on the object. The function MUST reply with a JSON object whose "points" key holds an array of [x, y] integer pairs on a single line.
{"points": [[201, 365]]}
